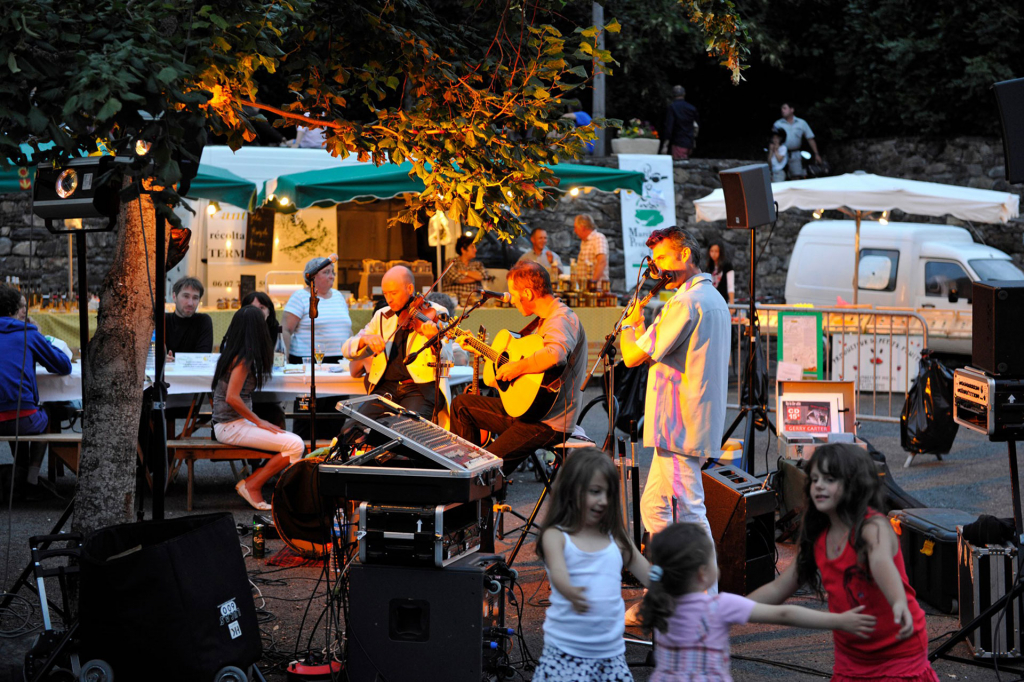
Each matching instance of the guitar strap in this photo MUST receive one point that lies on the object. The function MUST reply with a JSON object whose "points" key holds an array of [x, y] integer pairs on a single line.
{"points": [[528, 329]]}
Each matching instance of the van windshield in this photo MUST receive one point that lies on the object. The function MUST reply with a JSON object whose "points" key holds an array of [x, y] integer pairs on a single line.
{"points": [[996, 268]]}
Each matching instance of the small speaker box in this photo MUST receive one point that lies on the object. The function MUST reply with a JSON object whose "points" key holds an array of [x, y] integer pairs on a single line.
{"points": [[998, 327], [1010, 97], [748, 196]]}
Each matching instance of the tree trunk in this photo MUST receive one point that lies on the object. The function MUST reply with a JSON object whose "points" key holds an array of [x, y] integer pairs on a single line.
{"points": [[115, 364]]}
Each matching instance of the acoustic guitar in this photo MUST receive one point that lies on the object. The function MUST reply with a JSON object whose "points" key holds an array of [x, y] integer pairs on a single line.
{"points": [[526, 396]]}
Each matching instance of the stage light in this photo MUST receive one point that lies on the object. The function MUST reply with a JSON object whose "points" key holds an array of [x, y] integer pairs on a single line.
{"points": [[67, 183], [212, 208], [818, 213], [85, 187]]}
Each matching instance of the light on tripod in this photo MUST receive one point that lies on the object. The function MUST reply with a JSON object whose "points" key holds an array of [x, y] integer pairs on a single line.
{"points": [[818, 213]]}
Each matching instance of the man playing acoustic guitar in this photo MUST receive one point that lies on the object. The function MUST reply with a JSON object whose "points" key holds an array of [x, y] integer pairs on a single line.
{"points": [[562, 360]]}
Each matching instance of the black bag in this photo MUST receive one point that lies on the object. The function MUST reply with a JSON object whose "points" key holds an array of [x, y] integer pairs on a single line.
{"points": [[631, 392], [926, 423]]}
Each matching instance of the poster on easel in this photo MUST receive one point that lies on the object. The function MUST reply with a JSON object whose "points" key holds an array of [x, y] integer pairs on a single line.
{"points": [[801, 342]]}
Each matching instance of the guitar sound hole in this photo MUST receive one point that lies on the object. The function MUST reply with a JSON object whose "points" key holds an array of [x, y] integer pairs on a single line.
{"points": [[503, 385]]}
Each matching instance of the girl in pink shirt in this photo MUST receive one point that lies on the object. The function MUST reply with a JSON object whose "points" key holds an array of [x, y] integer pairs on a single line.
{"points": [[692, 627]]}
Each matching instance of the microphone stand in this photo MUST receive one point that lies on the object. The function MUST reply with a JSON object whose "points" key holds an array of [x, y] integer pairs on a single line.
{"points": [[314, 302], [607, 356]]}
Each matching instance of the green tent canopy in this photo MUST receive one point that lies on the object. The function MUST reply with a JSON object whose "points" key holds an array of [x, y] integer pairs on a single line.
{"points": [[346, 183], [223, 186]]}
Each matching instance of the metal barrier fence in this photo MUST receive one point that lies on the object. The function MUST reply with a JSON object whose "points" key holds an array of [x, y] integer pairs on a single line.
{"points": [[877, 349]]}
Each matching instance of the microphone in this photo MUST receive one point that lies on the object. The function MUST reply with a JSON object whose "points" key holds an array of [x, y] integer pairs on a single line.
{"points": [[502, 296], [331, 260]]}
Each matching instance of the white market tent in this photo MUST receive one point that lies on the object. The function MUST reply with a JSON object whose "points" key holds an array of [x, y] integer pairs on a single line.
{"points": [[860, 194]]}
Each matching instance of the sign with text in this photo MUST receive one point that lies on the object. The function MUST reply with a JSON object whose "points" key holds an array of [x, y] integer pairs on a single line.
{"points": [[641, 215], [259, 235], [876, 363], [225, 236]]}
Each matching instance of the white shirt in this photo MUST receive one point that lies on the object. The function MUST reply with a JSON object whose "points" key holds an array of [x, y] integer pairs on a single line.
{"points": [[796, 133], [333, 325], [687, 384], [780, 165], [598, 632]]}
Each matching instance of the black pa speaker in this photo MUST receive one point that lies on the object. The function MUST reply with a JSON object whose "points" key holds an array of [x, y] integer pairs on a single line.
{"points": [[1010, 97], [998, 327], [742, 517], [405, 622], [748, 196]]}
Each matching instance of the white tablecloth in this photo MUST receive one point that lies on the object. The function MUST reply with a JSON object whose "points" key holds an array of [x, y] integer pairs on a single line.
{"points": [[197, 377]]}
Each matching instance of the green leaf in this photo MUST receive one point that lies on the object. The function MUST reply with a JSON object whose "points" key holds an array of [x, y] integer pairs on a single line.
{"points": [[12, 63], [167, 74], [111, 107], [37, 120]]}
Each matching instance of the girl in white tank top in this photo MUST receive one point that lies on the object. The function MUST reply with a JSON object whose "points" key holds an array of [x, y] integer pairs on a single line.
{"points": [[584, 548]]}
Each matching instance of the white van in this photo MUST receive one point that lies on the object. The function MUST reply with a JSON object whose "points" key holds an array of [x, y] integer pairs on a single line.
{"points": [[905, 265]]}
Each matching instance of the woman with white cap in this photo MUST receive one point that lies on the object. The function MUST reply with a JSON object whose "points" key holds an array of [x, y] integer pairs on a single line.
{"points": [[333, 327]]}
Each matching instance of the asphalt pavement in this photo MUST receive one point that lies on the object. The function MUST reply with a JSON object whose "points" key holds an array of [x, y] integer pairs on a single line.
{"points": [[974, 477]]}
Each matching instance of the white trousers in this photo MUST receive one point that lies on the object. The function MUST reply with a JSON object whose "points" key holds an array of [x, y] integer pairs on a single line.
{"points": [[244, 433], [674, 475]]}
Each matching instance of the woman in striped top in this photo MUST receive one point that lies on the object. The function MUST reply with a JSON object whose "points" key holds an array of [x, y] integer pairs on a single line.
{"points": [[333, 324]]}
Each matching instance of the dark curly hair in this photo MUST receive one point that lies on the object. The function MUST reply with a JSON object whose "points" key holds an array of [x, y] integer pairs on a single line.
{"points": [[568, 497], [861, 490], [10, 300], [463, 243], [679, 550]]}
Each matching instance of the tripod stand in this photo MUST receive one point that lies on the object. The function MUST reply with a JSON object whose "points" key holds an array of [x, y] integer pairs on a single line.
{"points": [[753, 412]]}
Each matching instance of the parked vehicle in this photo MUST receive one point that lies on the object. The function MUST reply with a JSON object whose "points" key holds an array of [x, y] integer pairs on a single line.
{"points": [[928, 268]]}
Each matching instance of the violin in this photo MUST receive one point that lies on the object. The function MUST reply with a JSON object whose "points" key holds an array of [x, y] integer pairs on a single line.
{"points": [[416, 313]]}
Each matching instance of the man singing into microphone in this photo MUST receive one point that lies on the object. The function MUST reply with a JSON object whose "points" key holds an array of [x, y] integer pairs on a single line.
{"points": [[411, 386], [687, 347], [565, 347]]}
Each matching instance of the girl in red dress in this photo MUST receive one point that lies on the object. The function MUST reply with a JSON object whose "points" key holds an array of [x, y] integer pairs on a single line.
{"points": [[849, 552]]}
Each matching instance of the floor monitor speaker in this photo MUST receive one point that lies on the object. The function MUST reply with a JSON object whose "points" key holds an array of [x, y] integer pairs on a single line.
{"points": [[742, 517], [748, 196], [417, 623], [1010, 97]]}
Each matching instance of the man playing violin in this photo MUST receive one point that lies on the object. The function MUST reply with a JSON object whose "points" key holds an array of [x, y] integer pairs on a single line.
{"points": [[386, 343], [565, 346]]}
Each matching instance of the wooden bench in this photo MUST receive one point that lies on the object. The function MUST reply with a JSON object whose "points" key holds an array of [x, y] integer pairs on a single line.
{"points": [[189, 450], [66, 447]]}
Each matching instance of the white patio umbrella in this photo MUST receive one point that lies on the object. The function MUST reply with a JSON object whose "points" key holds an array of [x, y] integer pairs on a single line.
{"points": [[860, 194]]}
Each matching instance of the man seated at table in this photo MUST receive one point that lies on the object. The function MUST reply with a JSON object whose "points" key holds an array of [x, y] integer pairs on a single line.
{"points": [[384, 346], [20, 411], [188, 331]]}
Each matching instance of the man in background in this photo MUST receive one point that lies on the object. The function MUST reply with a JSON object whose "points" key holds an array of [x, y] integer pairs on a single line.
{"points": [[188, 331], [682, 122], [592, 263], [797, 130], [540, 253]]}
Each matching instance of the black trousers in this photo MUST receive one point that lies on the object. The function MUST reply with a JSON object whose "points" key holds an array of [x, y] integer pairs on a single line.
{"points": [[516, 439]]}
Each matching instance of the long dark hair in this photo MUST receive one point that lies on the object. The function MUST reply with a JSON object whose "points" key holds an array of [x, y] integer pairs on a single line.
{"points": [[861, 490], [273, 326], [248, 342], [679, 551], [569, 494], [722, 264]]}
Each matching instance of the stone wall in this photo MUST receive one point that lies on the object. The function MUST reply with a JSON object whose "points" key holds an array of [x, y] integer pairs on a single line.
{"points": [[40, 259]]}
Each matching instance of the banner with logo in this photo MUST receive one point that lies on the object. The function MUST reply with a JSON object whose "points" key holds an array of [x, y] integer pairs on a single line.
{"points": [[641, 215]]}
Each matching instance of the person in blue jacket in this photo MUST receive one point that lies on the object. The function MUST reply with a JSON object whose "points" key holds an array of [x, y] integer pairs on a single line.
{"points": [[21, 347]]}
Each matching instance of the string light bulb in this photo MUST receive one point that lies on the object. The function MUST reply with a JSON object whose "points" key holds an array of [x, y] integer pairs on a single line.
{"points": [[212, 208], [284, 201], [818, 213], [884, 220], [575, 191]]}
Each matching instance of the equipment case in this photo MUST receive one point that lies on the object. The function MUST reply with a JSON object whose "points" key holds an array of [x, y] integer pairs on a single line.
{"points": [[412, 535], [928, 540], [986, 574]]}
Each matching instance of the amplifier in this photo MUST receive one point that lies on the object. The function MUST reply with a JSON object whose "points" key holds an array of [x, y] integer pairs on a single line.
{"points": [[741, 513], [989, 404], [409, 535], [986, 574], [423, 623]]}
